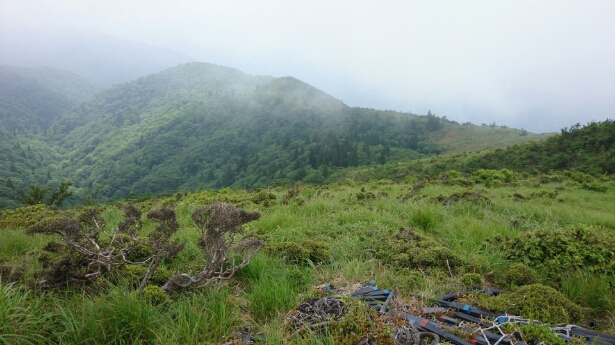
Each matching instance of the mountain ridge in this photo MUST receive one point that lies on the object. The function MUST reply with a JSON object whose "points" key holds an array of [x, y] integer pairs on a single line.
{"points": [[204, 126]]}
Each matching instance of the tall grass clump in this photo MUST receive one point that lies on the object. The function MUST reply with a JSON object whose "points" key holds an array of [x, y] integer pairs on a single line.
{"points": [[201, 317], [118, 317], [23, 317], [590, 291], [424, 220], [274, 289]]}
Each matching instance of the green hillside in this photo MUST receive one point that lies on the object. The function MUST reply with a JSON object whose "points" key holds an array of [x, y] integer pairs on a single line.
{"points": [[203, 126], [581, 150], [30, 100], [206, 126]]}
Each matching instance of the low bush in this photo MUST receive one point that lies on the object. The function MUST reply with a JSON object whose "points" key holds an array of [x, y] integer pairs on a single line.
{"points": [[536, 301], [300, 253], [471, 280], [489, 176], [516, 275], [413, 250], [556, 252]]}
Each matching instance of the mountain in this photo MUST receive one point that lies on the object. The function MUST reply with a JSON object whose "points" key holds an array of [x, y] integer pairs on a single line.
{"points": [[30, 100], [94, 55], [203, 126]]}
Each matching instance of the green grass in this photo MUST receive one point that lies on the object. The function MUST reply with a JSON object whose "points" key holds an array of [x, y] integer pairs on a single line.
{"points": [[260, 295], [24, 317]]}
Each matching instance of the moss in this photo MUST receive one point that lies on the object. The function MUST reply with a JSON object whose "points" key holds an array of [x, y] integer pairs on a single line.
{"points": [[540, 334], [536, 301], [358, 323], [436, 256]]}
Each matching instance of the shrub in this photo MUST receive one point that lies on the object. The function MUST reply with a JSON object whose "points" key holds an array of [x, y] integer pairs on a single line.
{"points": [[264, 198], [411, 249], [555, 252], [594, 186], [319, 251], [220, 226], [133, 274], [93, 249], [301, 253], [27, 216], [361, 196], [289, 251], [471, 280], [544, 194], [536, 301], [517, 274], [155, 295], [489, 176]]}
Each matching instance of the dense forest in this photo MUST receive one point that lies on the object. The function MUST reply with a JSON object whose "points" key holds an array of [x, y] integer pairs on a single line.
{"points": [[589, 150], [203, 126]]}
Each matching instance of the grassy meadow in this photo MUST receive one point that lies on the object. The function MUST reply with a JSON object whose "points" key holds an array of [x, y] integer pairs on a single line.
{"points": [[344, 234]]}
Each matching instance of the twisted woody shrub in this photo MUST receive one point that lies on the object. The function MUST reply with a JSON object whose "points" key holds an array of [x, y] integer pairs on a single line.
{"points": [[90, 248], [222, 240]]}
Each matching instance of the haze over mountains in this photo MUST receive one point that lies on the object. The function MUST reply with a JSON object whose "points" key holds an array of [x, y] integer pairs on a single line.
{"points": [[91, 54], [201, 125]]}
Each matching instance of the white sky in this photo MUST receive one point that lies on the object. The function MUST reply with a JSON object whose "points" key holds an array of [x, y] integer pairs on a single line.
{"points": [[540, 65]]}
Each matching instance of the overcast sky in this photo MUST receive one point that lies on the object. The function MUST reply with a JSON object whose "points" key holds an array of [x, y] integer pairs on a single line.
{"points": [[539, 65]]}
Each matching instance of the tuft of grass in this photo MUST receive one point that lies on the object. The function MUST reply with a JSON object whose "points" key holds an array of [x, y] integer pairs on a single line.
{"points": [[274, 289], [201, 317], [23, 317], [590, 291], [117, 317]]}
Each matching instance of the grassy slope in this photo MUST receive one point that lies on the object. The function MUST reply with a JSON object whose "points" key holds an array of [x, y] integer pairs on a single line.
{"points": [[474, 138], [262, 293]]}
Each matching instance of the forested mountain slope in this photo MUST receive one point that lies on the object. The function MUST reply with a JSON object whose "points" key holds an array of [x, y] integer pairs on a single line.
{"points": [[30, 100], [586, 149], [201, 125]]}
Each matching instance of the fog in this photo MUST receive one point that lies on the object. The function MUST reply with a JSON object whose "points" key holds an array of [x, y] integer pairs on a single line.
{"points": [[525, 64]]}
